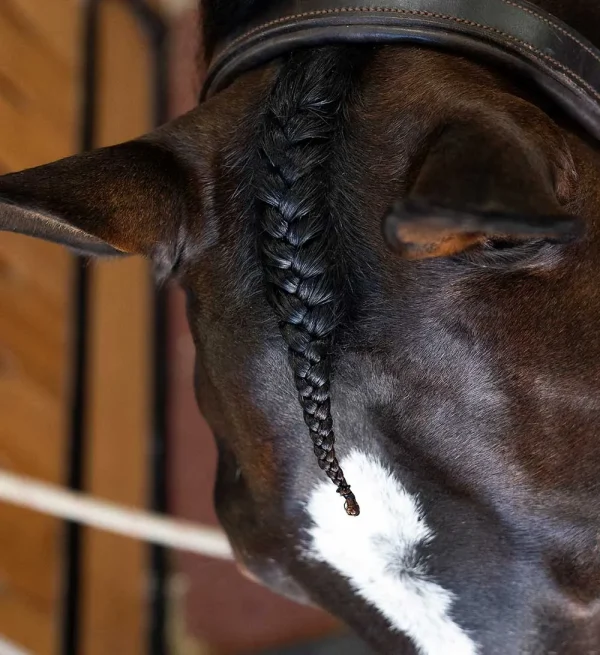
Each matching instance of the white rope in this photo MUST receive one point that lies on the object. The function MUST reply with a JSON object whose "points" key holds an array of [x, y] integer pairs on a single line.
{"points": [[6, 648], [176, 7], [49, 499]]}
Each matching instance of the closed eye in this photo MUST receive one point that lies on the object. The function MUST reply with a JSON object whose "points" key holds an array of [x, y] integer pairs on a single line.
{"points": [[510, 254]]}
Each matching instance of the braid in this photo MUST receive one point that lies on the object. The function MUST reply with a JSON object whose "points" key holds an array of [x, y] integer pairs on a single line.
{"points": [[301, 120]]}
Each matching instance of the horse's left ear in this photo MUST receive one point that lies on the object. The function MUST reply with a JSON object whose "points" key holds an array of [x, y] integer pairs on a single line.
{"points": [[480, 182], [125, 199]]}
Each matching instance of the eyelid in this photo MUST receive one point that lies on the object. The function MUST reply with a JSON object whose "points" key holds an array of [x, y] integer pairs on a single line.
{"points": [[525, 256]]}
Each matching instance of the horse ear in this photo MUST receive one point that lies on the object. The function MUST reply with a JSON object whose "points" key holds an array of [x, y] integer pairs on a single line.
{"points": [[480, 183], [125, 199]]}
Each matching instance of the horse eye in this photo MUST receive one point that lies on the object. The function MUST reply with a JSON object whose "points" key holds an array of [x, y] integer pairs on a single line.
{"points": [[505, 253], [503, 243]]}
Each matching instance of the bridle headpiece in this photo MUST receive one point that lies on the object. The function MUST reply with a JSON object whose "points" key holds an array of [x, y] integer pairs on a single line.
{"points": [[513, 33]]}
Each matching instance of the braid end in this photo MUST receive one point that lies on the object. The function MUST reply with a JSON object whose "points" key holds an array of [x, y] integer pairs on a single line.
{"points": [[351, 506]]}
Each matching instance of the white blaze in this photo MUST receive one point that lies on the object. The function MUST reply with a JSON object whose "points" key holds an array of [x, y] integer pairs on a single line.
{"points": [[377, 553]]}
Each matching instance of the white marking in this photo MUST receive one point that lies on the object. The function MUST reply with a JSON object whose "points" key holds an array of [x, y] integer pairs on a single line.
{"points": [[376, 553]]}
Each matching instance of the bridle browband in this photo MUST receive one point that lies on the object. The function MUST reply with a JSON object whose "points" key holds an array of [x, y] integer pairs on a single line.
{"points": [[512, 32]]}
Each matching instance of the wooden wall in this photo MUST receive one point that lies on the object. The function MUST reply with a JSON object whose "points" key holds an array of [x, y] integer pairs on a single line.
{"points": [[38, 104], [40, 70]]}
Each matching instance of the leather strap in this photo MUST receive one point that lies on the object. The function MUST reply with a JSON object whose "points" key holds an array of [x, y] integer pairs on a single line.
{"points": [[512, 32]]}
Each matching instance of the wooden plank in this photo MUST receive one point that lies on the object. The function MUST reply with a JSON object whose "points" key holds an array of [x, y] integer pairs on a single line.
{"points": [[115, 569], [28, 139], [33, 333], [37, 124], [53, 22], [32, 427], [35, 263], [35, 74]]}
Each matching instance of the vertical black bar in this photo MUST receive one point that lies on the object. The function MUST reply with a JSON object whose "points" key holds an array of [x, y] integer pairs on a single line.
{"points": [[158, 555], [158, 464], [72, 577]]}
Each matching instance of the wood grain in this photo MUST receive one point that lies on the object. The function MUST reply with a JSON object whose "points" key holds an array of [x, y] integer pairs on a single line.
{"points": [[33, 73], [37, 124], [39, 100]]}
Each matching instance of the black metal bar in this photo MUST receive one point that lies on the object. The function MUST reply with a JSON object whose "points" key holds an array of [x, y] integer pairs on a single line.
{"points": [[158, 556], [73, 574]]}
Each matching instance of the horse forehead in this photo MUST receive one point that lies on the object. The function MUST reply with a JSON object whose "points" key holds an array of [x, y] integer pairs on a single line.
{"points": [[378, 553]]}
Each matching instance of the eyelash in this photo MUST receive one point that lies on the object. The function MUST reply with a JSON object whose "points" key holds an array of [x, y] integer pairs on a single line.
{"points": [[507, 255]]}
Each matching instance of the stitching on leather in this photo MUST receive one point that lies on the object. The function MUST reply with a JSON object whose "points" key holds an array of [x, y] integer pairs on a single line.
{"points": [[556, 26], [428, 14]]}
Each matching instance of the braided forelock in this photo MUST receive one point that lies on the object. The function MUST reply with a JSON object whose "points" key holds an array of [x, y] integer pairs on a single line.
{"points": [[303, 117]]}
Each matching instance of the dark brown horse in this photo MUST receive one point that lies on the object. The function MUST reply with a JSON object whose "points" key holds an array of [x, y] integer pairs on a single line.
{"points": [[461, 371]]}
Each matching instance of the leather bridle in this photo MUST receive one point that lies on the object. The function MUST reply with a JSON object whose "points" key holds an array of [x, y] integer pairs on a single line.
{"points": [[514, 33]]}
